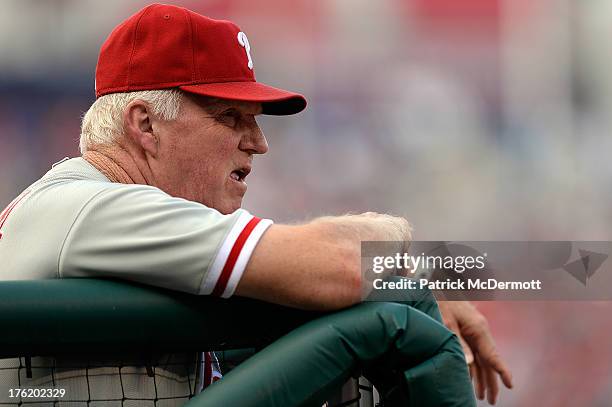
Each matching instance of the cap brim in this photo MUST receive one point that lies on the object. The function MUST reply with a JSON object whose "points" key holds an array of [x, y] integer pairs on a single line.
{"points": [[274, 101]]}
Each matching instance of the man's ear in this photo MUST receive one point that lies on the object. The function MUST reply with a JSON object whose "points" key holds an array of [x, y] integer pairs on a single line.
{"points": [[138, 126]]}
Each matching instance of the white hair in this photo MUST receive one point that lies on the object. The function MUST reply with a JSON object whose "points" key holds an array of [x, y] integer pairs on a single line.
{"points": [[103, 122]]}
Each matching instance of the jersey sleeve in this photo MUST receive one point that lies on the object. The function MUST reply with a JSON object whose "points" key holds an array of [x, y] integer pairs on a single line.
{"points": [[140, 233]]}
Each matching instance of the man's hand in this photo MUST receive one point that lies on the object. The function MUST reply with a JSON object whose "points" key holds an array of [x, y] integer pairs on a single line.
{"points": [[484, 362]]}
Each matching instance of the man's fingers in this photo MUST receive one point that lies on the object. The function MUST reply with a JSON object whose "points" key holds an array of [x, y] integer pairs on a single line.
{"points": [[491, 359], [500, 367], [489, 366], [492, 385], [478, 345], [484, 345], [479, 337], [469, 356], [480, 384], [507, 379], [467, 351]]}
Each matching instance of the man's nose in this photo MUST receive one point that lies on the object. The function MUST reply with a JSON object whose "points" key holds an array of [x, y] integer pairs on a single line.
{"points": [[253, 139]]}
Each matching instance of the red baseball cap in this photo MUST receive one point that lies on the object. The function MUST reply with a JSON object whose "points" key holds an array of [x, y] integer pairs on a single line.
{"points": [[165, 46]]}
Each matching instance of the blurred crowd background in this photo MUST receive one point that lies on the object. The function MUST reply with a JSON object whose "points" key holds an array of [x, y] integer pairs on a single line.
{"points": [[475, 119]]}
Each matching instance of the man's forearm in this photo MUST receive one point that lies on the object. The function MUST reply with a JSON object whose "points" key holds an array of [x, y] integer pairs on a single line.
{"points": [[369, 226], [316, 265]]}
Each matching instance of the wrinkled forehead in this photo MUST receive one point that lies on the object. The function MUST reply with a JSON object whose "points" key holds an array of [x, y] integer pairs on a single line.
{"points": [[216, 105]]}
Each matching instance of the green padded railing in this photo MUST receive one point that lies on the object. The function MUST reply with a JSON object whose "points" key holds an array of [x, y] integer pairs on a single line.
{"points": [[45, 317], [403, 349]]}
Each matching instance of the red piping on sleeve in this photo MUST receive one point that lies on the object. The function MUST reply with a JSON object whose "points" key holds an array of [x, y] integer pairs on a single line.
{"points": [[233, 257]]}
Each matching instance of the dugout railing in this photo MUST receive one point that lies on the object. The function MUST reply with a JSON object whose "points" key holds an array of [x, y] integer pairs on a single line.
{"points": [[303, 358]]}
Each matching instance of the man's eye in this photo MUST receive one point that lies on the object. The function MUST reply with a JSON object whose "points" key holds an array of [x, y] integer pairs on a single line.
{"points": [[230, 117]]}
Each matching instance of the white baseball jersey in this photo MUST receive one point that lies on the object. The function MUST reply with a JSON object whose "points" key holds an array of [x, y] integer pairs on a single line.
{"points": [[74, 222]]}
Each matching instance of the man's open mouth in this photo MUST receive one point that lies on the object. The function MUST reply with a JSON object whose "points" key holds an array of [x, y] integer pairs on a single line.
{"points": [[240, 174]]}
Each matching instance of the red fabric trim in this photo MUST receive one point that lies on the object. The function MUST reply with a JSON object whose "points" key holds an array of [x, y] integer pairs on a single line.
{"points": [[207, 369], [7, 211], [233, 257]]}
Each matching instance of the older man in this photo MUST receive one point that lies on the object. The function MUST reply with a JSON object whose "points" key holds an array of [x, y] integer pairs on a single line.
{"points": [[156, 196]]}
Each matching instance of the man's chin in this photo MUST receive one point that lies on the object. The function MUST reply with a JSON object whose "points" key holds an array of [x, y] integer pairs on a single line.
{"points": [[230, 207]]}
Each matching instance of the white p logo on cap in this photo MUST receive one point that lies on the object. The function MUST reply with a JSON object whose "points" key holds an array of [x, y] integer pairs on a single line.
{"points": [[244, 41]]}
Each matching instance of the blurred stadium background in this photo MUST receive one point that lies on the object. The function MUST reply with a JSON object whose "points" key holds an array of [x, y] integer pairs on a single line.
{"points": [[475, 119]]}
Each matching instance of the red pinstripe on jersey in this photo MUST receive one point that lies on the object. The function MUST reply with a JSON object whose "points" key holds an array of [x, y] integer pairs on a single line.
{"points": [[233, 257], [207, 369], [7, 211]]}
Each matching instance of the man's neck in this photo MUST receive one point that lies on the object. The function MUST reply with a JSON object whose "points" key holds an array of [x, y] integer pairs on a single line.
{"points": [[116, 164]]}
